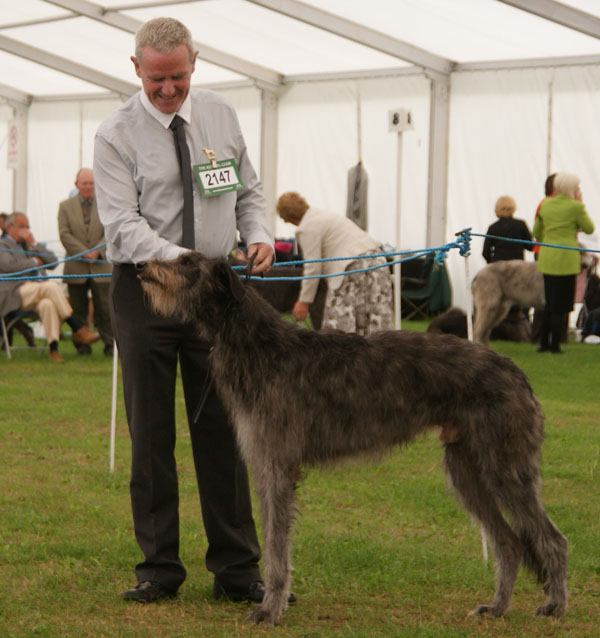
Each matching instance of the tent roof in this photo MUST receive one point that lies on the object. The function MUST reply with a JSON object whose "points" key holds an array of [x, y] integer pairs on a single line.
{"points": [[57, 49]]}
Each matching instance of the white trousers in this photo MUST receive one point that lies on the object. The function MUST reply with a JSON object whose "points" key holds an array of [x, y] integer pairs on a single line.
{"points": [[49, 302]]}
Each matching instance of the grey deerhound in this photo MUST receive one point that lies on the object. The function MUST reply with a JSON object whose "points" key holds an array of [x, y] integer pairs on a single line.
{"points": [[298, 397], [500, 285]]}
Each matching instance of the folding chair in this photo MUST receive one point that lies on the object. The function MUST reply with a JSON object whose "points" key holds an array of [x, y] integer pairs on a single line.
{"points": [[425, 288], [8, 322]]}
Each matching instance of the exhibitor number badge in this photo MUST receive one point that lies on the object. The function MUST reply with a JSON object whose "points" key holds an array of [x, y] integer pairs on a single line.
{"points": [[216, 178]]}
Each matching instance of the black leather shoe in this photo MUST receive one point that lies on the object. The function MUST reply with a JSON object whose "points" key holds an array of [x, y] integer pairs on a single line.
{"points": [[148, 592], [254, 594]]}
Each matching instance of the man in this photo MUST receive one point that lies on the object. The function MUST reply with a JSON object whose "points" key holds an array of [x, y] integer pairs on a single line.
{"points": [[79, 228], [43, 297], [142, 201]]}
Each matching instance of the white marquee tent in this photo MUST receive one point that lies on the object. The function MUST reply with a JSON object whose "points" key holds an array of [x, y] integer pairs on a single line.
{"points": [[501, 93]]}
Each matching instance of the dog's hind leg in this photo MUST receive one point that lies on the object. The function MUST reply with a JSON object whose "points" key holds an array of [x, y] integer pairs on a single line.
{"points": [[276, 490], [482, 504], [545, 547]]}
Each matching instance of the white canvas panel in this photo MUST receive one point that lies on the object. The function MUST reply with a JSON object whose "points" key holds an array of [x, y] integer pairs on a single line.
{"points": [[36, 79], [13, 12], [498, 146], [53, 150], [6, 174], [465, 30], [380, 156], [268, 38], [576, 135], [317, 145]]}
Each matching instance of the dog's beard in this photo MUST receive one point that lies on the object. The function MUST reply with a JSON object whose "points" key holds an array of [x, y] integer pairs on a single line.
{"points": [[162, 300]]}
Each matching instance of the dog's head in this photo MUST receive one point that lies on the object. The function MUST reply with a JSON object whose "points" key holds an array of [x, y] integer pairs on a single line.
{"points": [[191, 287]]}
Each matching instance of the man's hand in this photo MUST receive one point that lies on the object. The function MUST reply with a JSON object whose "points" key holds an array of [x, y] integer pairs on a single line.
{"points": [[264, 257], [93, 254], [300, 310], [25, 236]]}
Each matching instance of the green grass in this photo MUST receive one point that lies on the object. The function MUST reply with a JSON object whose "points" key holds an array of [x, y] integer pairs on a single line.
{"points": [[379, 549]]}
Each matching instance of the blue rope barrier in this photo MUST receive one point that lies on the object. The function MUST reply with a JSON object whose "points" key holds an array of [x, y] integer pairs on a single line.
{"points": [[537, 243], [463, 244], [50, 266]]}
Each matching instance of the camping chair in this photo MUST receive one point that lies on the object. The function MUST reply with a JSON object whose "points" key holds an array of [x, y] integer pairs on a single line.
{"points": [[425, 288], [8, 322]]}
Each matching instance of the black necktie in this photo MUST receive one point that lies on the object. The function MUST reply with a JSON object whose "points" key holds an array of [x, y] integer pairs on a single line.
{"points": [[185, 167]]}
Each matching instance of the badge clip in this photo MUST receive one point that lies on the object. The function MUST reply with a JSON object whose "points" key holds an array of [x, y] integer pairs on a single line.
{"points": [[212, 156]]}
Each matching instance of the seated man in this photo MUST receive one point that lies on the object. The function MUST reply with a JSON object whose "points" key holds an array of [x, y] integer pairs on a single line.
{"points": [[43, 297]]}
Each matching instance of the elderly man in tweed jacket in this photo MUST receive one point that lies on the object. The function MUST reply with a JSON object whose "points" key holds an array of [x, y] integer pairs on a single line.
{"points": [[81, 231]]}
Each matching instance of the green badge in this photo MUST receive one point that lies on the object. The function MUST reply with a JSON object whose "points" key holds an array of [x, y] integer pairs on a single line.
{"points": [[216, 178]]}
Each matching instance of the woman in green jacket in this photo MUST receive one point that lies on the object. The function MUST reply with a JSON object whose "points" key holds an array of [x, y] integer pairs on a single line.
{"points": [[558, 222]]}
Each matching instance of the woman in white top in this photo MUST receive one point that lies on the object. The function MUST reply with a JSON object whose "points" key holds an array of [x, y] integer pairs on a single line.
{"points": [[359, 302]]}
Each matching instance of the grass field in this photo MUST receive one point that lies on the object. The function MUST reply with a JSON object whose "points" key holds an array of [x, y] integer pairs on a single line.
{"points": [[379, 550]]}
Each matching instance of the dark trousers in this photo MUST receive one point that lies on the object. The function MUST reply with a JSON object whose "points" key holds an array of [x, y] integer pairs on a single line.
{"points": [[149, 347], [78, 298], [559, 291]]}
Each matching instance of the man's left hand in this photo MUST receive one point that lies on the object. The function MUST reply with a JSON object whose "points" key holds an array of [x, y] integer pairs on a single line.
{"points": [[264, 257]]}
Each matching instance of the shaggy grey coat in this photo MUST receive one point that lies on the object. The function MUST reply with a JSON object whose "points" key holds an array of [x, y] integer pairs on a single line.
{"points": [[300, 398], [500, 285]]}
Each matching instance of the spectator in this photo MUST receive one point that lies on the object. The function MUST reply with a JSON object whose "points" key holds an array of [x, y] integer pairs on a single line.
{"points": [[80, 229], [3, 217], [360, 302], [495, 249], [558, 222], [43, 297]]}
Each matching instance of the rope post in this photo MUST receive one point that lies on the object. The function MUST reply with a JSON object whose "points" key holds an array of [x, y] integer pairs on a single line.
{"points": [[465, 251], [399, 120]]}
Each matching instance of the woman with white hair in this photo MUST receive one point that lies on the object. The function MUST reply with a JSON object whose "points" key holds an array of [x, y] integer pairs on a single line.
{"points": [[558, 222]]}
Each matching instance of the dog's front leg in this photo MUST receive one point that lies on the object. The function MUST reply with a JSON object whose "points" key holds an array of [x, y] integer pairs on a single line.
{"points": [[276, 492]]}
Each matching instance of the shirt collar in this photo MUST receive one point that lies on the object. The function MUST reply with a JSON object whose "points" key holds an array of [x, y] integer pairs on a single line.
{"points": [[185, 110]]}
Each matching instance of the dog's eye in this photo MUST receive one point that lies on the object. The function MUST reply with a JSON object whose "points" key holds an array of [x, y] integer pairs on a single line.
{"points": [[186, 260]]}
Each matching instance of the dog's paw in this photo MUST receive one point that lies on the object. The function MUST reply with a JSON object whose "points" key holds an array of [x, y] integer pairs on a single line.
{"points": [[486, 610], [261, 615], [550, 609]]}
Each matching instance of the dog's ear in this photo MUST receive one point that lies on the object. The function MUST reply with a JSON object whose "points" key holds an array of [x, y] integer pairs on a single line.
{"points": [[227, 277]]}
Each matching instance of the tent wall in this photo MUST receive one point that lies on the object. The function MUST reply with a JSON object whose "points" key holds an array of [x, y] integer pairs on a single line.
{"points": [[6, 175], [319, 142], [507, 129]]}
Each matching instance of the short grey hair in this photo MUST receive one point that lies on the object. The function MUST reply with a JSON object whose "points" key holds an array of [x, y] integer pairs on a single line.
{"points": [[12, 218], [566, 183], [163, 35]]}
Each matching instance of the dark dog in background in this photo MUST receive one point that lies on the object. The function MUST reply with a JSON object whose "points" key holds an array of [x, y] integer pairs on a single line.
{"points": [[299, 398], [499, 286], [454, 322]]}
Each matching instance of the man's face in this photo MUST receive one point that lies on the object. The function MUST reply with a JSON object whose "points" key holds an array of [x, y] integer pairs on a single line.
{"points": [[19, 229], [85, 184], [166, 77]]}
